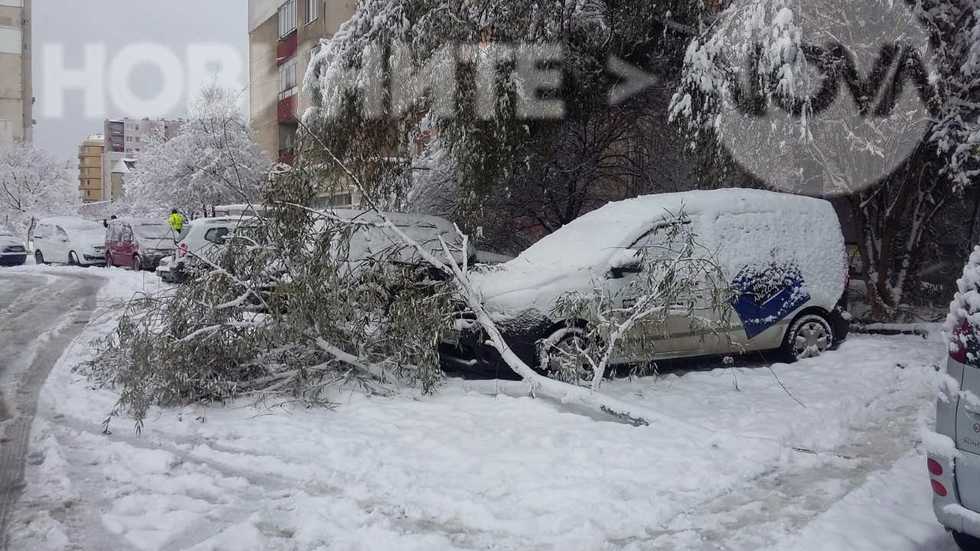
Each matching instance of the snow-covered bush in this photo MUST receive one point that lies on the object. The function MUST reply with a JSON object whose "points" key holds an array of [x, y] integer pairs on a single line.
{"points": [[33, 185], [517, 177]]}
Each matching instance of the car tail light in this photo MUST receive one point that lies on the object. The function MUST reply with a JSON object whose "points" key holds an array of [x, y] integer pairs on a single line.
{"points": [[935, 469], [960, 340], [939, 489]]}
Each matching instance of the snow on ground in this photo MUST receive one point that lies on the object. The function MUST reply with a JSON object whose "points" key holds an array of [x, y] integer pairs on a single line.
{"points": [[831, 462]]}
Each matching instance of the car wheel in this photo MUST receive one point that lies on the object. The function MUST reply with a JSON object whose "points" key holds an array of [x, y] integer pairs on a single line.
{"points": [[73, 259], [39, 258], [137, 264], [562, 356], [808, 337], [966, 542]]}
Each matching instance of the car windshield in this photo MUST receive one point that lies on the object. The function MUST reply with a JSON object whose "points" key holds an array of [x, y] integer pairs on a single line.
{"points": [[185, 231], [153, 231]]}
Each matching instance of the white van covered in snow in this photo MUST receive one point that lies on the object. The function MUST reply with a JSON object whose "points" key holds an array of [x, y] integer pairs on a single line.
{"points": [[782, 258]]}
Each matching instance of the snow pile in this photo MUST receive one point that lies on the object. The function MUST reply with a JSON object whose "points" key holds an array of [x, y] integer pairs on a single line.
{"points": [[965, 309]]}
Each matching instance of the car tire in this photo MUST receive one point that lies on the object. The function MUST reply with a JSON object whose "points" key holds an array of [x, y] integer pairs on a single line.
{"points": [[73, 259], [809, 336], [39, 258], [966, 542], [137, 264], [564, 343]]}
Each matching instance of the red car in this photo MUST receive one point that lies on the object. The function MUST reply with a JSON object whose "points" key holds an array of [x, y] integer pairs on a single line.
{"points": [[138, 244]]}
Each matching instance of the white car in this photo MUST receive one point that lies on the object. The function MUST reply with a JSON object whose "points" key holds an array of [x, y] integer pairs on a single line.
{"points": [[13, 252], [781, 256], [69, 240], [372, 242], [954, 449], [200, 240]]}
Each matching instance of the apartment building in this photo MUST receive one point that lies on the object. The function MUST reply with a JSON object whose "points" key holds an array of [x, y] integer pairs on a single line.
{"points": [[125, 139], [16, 95], [283, 37], [90, 154]]}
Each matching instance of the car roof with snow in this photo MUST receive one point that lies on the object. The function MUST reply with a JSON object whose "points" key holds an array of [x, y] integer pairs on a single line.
{"points": [[593, 236], [139, 221], [67, 221], [220, 220]]}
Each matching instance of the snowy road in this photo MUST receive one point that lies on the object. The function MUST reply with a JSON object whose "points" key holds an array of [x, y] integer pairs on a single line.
{"points": [[39, 316], [836, 464]]}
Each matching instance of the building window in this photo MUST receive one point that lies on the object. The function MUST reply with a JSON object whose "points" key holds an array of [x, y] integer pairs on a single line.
{"points": [[287, 18], [287, 79], [312, 10]]}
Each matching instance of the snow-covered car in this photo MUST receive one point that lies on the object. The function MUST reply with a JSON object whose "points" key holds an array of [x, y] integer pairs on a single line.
{"points": [[781, 255], [137, 243], [69, 240], [371, 242], [13, 252], [200, 240], [954, 449]]}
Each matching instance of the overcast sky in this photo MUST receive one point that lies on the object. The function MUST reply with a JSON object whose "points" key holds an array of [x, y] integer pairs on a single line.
{"points": [[115, 24]]}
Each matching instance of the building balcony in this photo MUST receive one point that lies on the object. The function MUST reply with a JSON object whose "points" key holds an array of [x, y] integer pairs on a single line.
{"points": [[287, 48], [286, 110]]}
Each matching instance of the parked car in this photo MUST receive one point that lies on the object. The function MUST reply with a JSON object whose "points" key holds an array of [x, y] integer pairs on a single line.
{"points": [[69, 240], [200, 240], [954, 449], [782, 255], [138, 244], [370, 242], [13, 252]]}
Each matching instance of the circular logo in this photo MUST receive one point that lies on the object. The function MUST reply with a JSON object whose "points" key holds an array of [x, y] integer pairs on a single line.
{"points": [[828, 96]]}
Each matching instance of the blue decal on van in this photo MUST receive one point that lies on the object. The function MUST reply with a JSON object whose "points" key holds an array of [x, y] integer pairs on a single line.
{"points": [[766, 295]]}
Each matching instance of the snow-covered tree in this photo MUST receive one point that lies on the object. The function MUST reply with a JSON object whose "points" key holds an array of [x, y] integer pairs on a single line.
{"points": [[211, 161], [875, 101], [33, 185], [540, 172]]}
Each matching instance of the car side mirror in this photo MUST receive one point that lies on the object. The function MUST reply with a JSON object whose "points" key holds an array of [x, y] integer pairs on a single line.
{"points": [[626, 261]]}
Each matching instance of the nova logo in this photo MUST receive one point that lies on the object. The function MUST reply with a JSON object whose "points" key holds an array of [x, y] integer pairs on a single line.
{"points": [[874, 95], [831, 96]]}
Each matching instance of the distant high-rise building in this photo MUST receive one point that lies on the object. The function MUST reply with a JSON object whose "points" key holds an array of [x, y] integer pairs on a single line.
{"points": [[125, 139], [16, 94], [283, 37], [90, 154]]}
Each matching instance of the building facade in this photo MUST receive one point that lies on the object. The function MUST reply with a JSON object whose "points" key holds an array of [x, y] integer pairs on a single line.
{"points": [[90, 154], [125, 139], [283, 36], [16, 94]]}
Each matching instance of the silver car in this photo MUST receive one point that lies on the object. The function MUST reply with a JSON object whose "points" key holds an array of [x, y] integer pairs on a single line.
{"points": [[954, 449]]}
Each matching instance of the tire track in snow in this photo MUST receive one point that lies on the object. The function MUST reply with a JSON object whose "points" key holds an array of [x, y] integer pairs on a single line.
{"points": [[31, 355], [763, 510]]}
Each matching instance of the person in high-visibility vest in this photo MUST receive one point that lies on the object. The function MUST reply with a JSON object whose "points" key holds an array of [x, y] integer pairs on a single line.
{"points": [[176, 221]]}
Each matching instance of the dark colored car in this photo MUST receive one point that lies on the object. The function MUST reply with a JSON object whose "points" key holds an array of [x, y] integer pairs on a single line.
{"points": [[12, 250], [138, 244]]}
